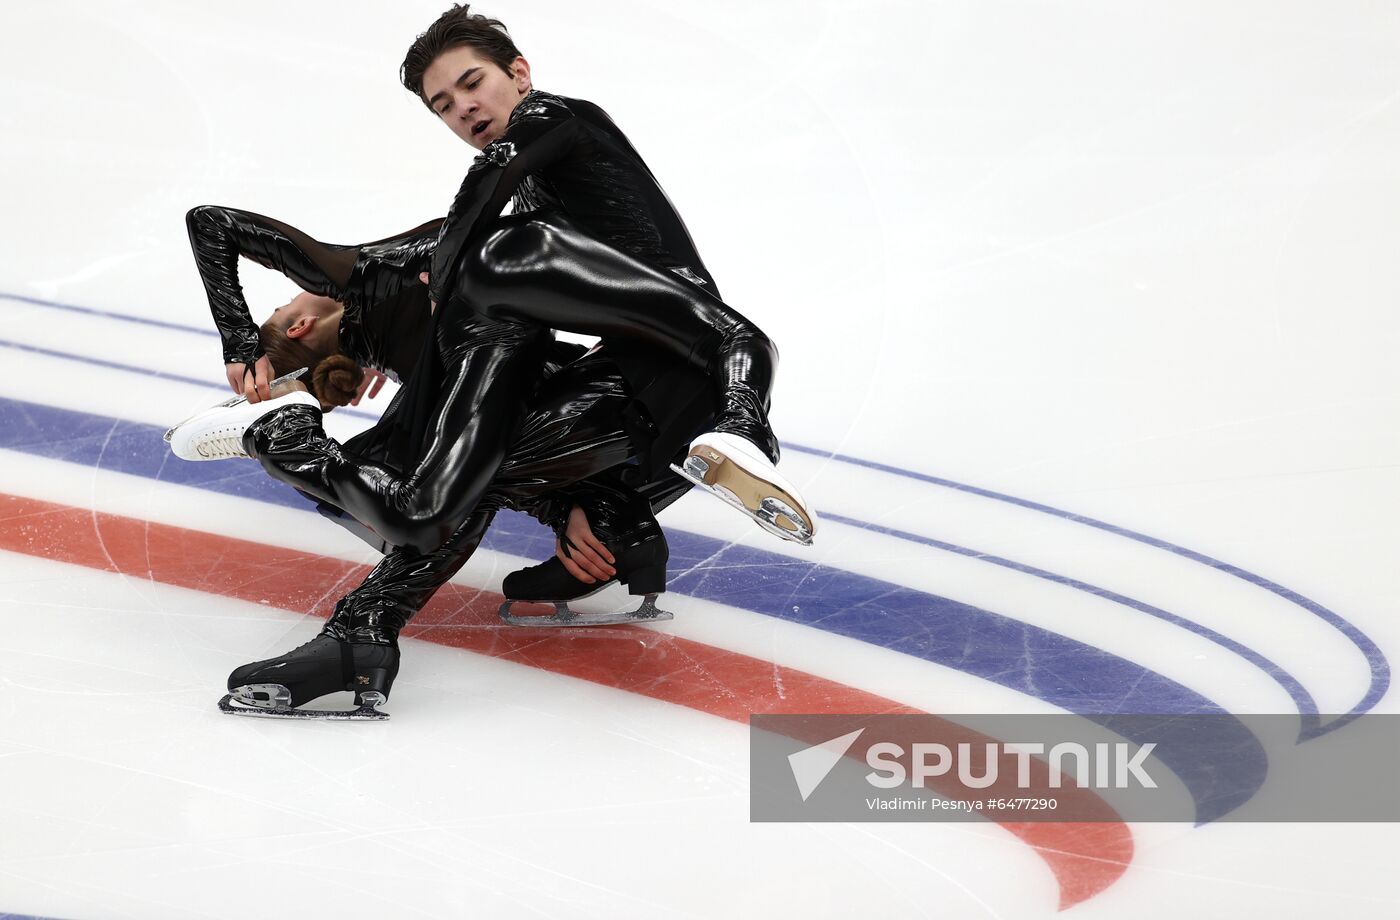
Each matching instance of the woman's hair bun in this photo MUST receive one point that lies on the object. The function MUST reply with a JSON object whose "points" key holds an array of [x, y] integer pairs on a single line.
{"points": [[335, 380]]}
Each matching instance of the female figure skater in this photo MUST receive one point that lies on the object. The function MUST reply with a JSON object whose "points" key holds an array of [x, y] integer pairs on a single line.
{"points": [[611, 258], [366, 306]]}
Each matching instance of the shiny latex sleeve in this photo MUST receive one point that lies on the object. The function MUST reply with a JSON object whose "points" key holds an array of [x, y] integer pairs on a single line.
{"points": [[537, 135], [355, 275]]}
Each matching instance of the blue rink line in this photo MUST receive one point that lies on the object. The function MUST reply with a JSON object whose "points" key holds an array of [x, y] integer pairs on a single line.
{"points": [[107, 314], [1221, 772], [1311, 725], [103, 362], [1304, 701], [147, 372], [1307, 706]]}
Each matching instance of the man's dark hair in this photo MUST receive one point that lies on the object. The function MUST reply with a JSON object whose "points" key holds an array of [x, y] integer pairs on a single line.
{"points": [[454, 28]]}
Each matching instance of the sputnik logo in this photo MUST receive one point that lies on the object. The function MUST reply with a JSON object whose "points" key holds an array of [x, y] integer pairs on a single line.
{"points": [[811, 765]]}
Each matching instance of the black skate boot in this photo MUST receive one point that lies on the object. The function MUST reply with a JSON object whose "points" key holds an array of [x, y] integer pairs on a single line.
{"points": [[639, 554], [329, 663]]}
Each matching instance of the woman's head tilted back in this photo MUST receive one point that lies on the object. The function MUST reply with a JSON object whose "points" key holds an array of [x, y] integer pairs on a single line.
{"points": [[305, 333]]}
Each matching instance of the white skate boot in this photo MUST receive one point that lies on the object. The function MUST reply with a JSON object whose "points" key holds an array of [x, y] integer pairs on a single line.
{"points": [[735, 470], [217, 432]]}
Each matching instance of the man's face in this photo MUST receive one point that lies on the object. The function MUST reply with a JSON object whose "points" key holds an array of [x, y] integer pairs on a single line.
{"points": [[472, 95]]}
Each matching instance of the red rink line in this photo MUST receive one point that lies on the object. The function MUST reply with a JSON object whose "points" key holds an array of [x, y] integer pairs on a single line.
{"points": [[1085, 857]]}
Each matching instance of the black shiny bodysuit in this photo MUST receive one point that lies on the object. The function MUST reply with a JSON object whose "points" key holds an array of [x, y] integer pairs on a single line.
{"points": [[572, 430], [605, 254]]}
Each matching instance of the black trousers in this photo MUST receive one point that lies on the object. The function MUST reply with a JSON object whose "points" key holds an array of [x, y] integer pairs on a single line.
{"points": [[573, 429], [570, 449], [532, 273]]}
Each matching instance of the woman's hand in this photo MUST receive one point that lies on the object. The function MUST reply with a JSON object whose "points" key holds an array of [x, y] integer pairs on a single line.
{"points": [[253, 381], [589, 561], [372, 376]]}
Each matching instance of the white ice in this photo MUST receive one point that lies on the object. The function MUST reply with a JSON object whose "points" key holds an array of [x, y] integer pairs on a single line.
{"points": [[1135, 261]]}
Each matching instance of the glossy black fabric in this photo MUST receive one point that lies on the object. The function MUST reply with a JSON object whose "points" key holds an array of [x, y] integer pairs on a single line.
{"points": [[385, 326], [505, 280], [471, 385], [571, 431], [543, 267], [569, 451], [383, 274], [400, 584], [566, 156]]}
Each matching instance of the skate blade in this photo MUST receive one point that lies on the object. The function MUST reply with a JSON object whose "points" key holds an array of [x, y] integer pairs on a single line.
{"points": [[563, 616], [233, 401], [778, 513], [243, 702]]}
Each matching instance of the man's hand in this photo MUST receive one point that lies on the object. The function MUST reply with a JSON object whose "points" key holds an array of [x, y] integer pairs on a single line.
{"points": [[372, 376], [589, 561], [251, 381]]}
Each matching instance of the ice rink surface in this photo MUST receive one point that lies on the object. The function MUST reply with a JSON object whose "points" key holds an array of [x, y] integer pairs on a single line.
{"points": [[1088, 324]]}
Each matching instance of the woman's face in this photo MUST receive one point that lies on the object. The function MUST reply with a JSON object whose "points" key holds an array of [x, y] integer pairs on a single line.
{"points": [[472, 95]]}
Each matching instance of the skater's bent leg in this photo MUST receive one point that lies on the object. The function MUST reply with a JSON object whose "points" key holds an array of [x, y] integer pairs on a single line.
{"points": [[358, 647], [574, 430], [543, 268], [482, 405], [399, 586]]}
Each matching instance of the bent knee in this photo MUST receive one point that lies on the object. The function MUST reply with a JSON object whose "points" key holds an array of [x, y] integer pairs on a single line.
{"points": [[770, 345], [509, 252], [750, 337], [421, 528]]}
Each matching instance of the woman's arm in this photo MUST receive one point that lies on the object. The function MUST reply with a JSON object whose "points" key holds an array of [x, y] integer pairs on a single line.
{"points": [[355, 275], [220, 235]]}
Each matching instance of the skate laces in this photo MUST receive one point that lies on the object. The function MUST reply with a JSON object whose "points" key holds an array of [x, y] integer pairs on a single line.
{"points": [[221, 444]]}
